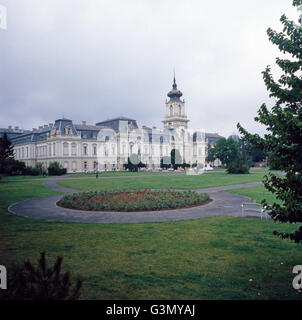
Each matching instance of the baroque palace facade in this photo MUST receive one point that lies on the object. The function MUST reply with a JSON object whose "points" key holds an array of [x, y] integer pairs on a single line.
{"points": [[108, 144]]}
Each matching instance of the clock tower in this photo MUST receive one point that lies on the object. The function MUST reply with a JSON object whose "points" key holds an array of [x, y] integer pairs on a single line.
{"points": [[175, 117]]}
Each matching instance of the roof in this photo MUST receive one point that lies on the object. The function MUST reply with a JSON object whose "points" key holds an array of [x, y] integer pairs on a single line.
{"points": [[88, 127]]}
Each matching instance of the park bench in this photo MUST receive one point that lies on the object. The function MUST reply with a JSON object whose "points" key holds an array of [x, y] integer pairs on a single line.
{"points": [[254, 207]]}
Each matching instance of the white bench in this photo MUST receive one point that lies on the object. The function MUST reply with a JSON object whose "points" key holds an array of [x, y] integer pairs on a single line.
{"points": [[255, 207]]}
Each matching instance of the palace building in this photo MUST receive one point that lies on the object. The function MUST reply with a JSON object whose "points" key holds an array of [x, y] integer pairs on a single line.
{"points": [[109, 144]]}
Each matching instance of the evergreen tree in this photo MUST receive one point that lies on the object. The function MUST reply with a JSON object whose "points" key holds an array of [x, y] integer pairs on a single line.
{"points": [[176, 160], [283, 139], [6, 151]]}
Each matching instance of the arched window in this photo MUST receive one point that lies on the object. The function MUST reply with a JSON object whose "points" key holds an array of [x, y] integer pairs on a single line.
{"points": [[179, 110], [171, 110]]}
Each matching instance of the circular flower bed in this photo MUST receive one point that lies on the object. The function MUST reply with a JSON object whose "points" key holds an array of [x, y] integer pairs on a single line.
{"points": [[146, 200]]}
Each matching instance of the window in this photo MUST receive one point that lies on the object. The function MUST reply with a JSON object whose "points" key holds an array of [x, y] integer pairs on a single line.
{"points": [[74, 149], [85, 150], [124, 149], [74, 166], [85, 165], [113, 149], [54, 149], [65, 165], [171, 111], [179, 110], [65, 149], [94, 150], [95, 165]]}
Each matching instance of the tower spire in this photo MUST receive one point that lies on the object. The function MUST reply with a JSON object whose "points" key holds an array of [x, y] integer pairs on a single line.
{"points": [[174, 82]]}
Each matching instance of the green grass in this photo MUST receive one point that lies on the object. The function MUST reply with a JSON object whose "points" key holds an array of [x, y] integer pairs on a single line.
{"points": [[163, 182], [122, 173], [14, 178], [209, 258], [257, 193]]}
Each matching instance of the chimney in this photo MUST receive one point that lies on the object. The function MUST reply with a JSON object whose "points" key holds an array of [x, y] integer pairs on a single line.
{"points": [[16, 128], [51, 125], [34, 129], [154, 128], [84, 123], [40, 127], [10, 127], [45, 126]]}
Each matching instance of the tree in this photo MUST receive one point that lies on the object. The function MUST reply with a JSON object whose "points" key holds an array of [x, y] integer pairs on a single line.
{"points": [[41, 283], [283, 122], [176, 160], [6, 151], [211, 157], [226, 150]]}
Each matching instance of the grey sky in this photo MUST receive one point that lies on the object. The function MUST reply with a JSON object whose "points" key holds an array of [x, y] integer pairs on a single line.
{"points": [[95, 59]]}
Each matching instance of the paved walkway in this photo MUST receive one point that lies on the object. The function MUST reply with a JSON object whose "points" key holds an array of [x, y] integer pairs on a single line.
{"points": [[45, 208]]}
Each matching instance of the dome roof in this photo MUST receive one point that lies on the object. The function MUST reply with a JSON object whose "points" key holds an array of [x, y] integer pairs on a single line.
{"points": [[174, 93]]}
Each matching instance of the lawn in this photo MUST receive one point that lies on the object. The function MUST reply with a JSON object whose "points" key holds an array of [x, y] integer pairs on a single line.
{"points": [[163, 182], [14, 178], [123, 173], [210, 258], [257, 193]]}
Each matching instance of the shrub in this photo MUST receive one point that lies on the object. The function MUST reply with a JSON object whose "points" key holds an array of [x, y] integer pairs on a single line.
{"points": [[32, 171], [55, 169], [238, 166], [13, 167], [41, 283]]}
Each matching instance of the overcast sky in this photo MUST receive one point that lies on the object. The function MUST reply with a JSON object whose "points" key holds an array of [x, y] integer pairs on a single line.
{"points": [[98, 59]]}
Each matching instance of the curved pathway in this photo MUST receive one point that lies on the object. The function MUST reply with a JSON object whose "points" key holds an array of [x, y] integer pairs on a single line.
{"points": [[45, 208]]}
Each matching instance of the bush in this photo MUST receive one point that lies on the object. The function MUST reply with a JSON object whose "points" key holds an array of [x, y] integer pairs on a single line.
{"points": [[41, 283], [33, 171], [238, 166], [13, 167], [55, 169]]}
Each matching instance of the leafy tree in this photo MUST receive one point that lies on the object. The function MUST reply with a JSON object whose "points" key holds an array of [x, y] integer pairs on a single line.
{"points": [[211, 157], [41, 283], [6, 151], [283, 138], [226, 150]]}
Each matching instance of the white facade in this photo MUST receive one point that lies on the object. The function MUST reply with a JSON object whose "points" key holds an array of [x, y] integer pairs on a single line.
{"points": [[109, 144]]}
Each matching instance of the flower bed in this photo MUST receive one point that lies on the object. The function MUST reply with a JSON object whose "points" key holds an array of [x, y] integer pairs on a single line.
{"points": [[124, 201]]}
